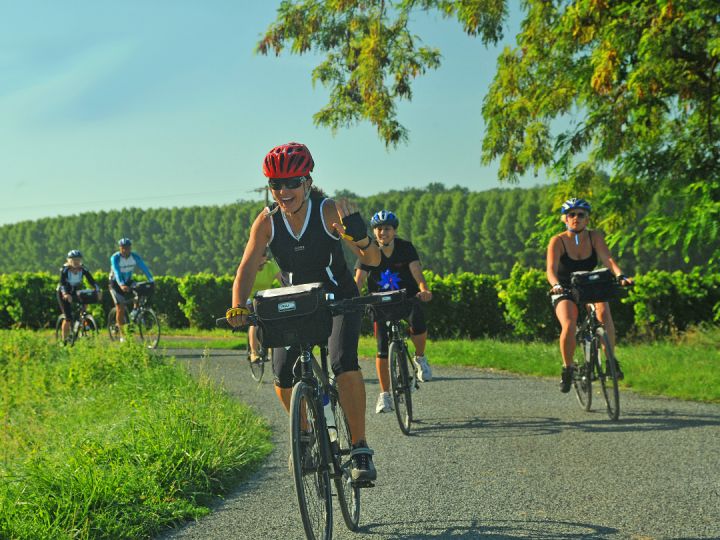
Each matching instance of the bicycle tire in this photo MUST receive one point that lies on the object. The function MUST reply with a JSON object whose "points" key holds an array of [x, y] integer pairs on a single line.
{"points": [[400, 385], [582, 378], [112, 326], [88, 327], [348, 494], [608, 374], [309, 463], [148, 328], [58, 331]]}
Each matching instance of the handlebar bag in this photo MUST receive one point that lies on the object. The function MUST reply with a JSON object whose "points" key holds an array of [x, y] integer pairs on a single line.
{"points": [[395, 307], [88, 296], [596, 286], [144, 288], [293, 316]]}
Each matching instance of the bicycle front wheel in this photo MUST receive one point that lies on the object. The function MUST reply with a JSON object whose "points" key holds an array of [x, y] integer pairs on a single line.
{"points": [[401, 385], [257, 369], [348, 494], [112, 325], [309, 463], [582, 378], [148, 328], [58, 331], [88, 327], [607, 370]]}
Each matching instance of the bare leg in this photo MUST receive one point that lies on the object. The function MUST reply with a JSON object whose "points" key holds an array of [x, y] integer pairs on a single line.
{"points": [[65, 330], [419, 343], [120, 318], [566, 312], [383, 373], [352, 398]]}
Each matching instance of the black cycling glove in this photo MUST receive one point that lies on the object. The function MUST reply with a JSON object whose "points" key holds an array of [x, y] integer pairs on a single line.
{"points": [[355, 226]]}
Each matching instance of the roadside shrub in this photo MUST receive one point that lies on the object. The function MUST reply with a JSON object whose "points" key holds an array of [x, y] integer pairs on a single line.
{"points": [[206, 298]]}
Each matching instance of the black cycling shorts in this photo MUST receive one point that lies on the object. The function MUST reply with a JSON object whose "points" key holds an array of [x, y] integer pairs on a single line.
{"points": [[342, 351], [416, 320], [65, 306], [118, 296]]}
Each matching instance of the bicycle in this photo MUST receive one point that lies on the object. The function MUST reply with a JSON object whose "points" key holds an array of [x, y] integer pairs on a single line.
{"points": [[264, 355], [403, 381], [143, 318], [595, 355], [320, 436], [83, 323]]}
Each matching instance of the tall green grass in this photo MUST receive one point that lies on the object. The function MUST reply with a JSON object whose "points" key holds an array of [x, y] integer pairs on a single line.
{"points": [[101, 441]]}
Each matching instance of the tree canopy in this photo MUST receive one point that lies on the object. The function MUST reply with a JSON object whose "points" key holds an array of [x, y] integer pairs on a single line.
{"points": [[622, 91]]}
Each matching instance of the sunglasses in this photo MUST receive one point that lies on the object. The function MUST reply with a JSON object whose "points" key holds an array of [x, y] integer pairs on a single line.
{"points": [[579, 215], [286, 183]]}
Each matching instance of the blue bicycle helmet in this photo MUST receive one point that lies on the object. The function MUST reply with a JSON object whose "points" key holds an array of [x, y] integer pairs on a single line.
{"points": [[384, 217], [570, 204], [74, 254], [124, 242]]}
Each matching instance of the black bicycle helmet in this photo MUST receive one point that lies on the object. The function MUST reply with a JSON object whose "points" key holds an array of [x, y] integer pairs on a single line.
{"points": [[74, 254]]}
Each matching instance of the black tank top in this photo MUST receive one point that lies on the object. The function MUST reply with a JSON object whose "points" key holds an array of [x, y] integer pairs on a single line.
{"points": [[567, 266], [315, 255]]}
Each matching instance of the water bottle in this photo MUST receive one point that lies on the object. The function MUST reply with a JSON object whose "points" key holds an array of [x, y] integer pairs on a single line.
{"points": [[329, 418]]}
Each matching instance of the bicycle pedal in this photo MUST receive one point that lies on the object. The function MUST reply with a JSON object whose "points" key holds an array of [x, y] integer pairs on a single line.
{"points": [[363, 484]]}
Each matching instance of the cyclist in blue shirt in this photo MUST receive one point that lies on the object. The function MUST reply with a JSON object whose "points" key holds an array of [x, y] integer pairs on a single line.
{"points": [[122, 267]]}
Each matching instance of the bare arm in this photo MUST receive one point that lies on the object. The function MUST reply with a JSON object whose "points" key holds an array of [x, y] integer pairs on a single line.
{"points": [[360, 277], [254, 251], [605, 256], [416, 270], [553, 260]]}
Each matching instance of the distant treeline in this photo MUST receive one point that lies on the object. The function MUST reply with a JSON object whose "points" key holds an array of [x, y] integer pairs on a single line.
{"points": [[455, 230]]}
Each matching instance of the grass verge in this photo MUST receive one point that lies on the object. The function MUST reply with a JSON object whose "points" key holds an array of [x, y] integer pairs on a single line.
{"points": [[112, 442], [685, 368]]}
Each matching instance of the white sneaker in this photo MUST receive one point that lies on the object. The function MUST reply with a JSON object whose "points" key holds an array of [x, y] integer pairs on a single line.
{"points": [[384, 403], [121, 340], [424, 373]]}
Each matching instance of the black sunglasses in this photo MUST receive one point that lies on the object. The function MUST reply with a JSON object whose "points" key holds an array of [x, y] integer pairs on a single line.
{"points": [[580, 215], [286, 183]]}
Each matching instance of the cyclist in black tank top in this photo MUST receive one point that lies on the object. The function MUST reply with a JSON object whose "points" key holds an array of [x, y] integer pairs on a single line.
{"points": [[303, 229], [574, 250]]}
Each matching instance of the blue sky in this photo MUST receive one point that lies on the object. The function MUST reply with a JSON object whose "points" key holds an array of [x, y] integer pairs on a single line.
{"points": [[162, 103]]}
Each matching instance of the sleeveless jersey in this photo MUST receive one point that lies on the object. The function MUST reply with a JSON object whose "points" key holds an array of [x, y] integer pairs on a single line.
{"points": [[567, 266], [314, 255]]}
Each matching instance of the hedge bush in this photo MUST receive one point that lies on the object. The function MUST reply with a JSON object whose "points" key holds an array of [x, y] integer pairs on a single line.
{"points": [[464, 305]]}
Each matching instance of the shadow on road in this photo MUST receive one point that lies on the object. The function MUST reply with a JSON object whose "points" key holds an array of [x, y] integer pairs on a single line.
{"points": [[479, 427], [494, 529]]}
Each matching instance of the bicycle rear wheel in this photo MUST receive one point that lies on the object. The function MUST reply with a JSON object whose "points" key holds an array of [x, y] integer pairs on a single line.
{"points": [[348, 494], [88, 327], [582, 378], [310, 471], [148, 328], [401, 385], [608, 374]]}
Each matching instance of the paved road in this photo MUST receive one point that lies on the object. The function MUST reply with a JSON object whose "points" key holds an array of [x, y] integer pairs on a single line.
{"points": [[496, 456]]}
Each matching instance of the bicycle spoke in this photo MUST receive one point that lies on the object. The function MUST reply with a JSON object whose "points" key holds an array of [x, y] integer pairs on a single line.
{"points": [[312, 479], [585, 353], [148, 328], [348, 494], [608, 375], [400, 384]]}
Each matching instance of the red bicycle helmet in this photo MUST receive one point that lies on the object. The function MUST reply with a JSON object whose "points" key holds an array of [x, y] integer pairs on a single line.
{"points": [[288, 161]]}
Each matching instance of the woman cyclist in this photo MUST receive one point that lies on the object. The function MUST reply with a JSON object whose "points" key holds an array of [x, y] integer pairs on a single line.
{"points": [[399, 268], [577, 249], [72, 275], [303, 230]]}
